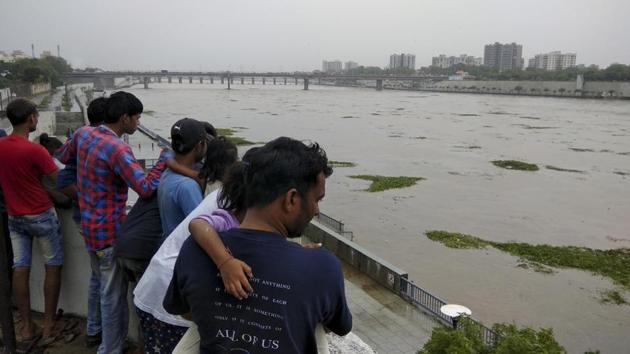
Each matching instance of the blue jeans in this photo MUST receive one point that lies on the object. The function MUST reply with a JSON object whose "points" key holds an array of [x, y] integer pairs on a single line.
{"points": [[113, 292], [94, 300], [44, 228]]}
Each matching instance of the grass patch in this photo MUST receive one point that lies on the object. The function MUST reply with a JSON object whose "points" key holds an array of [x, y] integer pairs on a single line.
{"points": [[612, 263], [549, 167], [612, 297], [382, 183], [457, 240], [333, 163], [66, 102], [515, 165], [229, 134], [44, 103]]}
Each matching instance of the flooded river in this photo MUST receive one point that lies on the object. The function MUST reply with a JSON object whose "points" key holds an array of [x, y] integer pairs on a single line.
{"points": [[450, 139]]}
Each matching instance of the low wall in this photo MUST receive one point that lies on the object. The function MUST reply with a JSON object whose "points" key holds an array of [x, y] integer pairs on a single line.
{"points": [[28, 90], [67, 121], [375, 267], [592, 89]]}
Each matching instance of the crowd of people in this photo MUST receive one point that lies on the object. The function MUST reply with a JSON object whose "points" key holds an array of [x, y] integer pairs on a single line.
{"points": [[207, 243]]}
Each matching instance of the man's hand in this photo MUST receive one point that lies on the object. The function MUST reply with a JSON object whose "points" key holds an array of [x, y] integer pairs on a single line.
{"points": [[235, 274]]}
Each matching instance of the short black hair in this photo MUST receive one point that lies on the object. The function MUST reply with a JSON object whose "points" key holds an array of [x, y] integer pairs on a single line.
{"points": [[232, 195], [96, 111], [19, 110], [221, 154], [121, 103], [51, 143], [280, 165]]}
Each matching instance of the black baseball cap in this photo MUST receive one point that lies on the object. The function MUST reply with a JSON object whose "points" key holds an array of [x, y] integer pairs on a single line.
{"points": [[185, 134]]}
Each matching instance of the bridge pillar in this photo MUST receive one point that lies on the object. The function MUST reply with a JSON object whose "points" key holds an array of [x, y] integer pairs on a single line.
{"points": [[379, 84], [296, 81], [201, 79], [190, 79], [146, 82], [221, 80], [211, 80], [306, 79], [170, 79], [159, 79], [274, 80], [319, 80], [180, 79], [229, 82], [285, 80], [242, 81], [253, 81], [264, 80]]}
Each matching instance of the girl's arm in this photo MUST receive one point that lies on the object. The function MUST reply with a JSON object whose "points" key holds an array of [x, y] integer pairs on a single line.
{"points": [[234, 272]]}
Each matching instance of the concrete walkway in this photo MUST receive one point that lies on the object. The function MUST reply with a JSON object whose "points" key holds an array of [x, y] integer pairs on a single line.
{"points": [[384, 320]]}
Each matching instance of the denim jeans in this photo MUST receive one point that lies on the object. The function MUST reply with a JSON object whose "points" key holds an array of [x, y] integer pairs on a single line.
{"points": [[44, 228], [94, 326], [113, 291]]}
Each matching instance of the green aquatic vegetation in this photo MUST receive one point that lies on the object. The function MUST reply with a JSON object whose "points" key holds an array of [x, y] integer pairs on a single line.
{"points": [[550, 167], [612, 296], [582, 150], [149, 112], [467, 339], [382, 183], [44, 103], [515, 165], [229, 134], [457, 240], [333, 163], [620, 173], [611, 263]]}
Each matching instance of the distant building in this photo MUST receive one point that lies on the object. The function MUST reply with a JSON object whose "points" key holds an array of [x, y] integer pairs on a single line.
{"points": [[331, 66], [45, 54], [443, 61], [18, 54], [402, 61], [553, 61], [503, 56], [349, 65]]}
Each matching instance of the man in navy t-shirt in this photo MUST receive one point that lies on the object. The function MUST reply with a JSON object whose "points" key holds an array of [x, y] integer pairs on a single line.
{"points": [[295, 288]]}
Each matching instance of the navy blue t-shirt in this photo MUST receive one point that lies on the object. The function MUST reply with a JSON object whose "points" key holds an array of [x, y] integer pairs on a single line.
{"points": [[295, 288]]}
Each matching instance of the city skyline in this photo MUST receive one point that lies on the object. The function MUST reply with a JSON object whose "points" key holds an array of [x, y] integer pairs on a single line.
{"points": [[238, 36]]}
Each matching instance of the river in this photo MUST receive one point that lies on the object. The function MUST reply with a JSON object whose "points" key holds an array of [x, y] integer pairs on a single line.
{"points": [[450, 139]]}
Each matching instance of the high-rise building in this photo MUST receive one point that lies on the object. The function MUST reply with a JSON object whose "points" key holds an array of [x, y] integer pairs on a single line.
{"points": [[443, 61], [331, 66], [503, 56], [402, 61], [349, 65], [553, 61]]}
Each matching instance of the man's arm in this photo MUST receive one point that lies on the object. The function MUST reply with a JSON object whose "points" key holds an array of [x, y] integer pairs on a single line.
{"points": [[338, 318], [68, 151], [126, 166], [234, 272]]}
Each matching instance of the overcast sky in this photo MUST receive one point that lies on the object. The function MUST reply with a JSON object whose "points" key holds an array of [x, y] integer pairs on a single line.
{"points": [[287, 35]]}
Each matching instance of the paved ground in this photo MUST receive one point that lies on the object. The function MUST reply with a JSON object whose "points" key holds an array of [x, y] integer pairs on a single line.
{"points": [[383, 320]]}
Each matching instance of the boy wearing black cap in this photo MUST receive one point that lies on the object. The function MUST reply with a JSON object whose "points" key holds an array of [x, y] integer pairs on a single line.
{"points": [[178, 195]]}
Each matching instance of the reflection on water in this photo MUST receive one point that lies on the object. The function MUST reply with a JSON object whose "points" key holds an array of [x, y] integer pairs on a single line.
{"points": [[450, 139]]}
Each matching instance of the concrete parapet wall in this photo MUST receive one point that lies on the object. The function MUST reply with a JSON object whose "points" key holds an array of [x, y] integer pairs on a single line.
{"points": [[65, 121], [376, 268], [533, 88]]}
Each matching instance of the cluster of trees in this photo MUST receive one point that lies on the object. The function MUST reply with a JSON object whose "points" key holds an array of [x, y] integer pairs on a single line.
{"points": [[615, 72], [48, 69]]}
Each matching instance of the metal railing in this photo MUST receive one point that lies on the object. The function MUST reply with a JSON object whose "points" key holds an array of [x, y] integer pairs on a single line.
{"points": [[336, 225], [409, 290]]}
